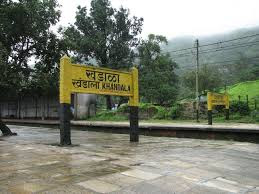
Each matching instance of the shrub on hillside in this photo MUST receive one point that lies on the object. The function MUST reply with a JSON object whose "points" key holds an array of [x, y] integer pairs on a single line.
{"points": [[161, 113], [124, 108], [255, 115], [220, 108], [175, 111], [239, 106]]}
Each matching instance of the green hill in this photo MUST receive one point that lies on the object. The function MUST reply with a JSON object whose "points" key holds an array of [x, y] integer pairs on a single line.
{"points": [[250, 88]]}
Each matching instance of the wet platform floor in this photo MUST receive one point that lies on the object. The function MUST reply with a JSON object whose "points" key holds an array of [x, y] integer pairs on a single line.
{"points": [[108, 163]]}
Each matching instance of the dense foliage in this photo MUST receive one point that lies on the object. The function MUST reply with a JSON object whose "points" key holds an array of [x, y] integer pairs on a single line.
{"points": [[239, 107], [25, 35], [158, 81], [210, 78], [105, 34]]}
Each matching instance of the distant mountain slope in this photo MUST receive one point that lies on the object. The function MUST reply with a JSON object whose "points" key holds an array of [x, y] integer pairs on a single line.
{"points": [[236, 49]]}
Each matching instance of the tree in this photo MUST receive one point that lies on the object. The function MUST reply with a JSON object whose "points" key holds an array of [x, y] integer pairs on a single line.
{"points": [[104, 33], [44, 78], [210, 78], [24, 28], [244, 69], [158, 81], [5, 130]]}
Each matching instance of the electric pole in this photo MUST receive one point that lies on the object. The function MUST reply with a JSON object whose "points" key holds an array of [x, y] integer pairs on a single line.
{"points": [[197, 80]]}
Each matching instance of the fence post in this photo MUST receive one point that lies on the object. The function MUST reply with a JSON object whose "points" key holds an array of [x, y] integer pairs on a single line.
{"points": [[247, 101], [255, 104], [48, 107], [36, 108], [19, 108]]}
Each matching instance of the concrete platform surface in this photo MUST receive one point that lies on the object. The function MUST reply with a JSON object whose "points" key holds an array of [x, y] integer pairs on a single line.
{"points": [[226, 127], [107, 163]]}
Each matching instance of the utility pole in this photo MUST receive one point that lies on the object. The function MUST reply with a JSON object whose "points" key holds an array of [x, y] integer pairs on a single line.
{"points": [[197, 80]]}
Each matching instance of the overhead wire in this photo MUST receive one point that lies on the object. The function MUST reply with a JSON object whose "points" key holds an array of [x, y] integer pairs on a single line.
{"points": [[221, 62], [210, 44]]}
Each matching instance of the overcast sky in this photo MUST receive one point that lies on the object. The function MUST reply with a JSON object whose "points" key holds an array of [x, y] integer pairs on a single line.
{"points": [[173, 18]]}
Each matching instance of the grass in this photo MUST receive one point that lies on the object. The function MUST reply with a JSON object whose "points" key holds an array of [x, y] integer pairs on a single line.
{"points": [[250, 88], [163, 115], [234, 118], [108, 116]]}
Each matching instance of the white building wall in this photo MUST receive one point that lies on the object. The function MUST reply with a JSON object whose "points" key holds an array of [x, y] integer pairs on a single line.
{"points": [[46, 108]]}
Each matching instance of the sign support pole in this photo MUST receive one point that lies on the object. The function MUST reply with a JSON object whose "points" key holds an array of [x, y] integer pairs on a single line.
{"points": [[134, 102], [227, 114], [134, 125], [65, 132], [209, 108], [65, 101], [209, 117], [227, 106]]}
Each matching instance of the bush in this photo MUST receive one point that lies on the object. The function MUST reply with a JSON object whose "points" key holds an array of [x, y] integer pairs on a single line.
{"points": [[161, 113], [146, 111], [240, 107], [109, 116], [175, 111], [124, 108], [255, 115], [220, 108]]}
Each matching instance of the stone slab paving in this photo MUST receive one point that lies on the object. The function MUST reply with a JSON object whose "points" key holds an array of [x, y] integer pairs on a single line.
{"points": [[32, 162]]}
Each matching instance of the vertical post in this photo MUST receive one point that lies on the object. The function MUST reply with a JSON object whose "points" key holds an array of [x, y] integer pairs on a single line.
{"points": [[239, 100], [75, 106], [209, 104], [36, 107], [43, 107], [48, 107], [227, 105], [247, 101], [65, 100], [25, 109], [197, 80], [255, 104], [19, 107], [134, 102], [8, 109]]}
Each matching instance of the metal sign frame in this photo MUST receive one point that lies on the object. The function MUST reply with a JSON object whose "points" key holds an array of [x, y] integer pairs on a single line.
{"points": [[215, 99], [75, 78]]}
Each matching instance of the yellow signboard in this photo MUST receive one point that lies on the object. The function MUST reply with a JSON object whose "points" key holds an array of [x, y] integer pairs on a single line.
{"points": [[76, 78], [217, 99], [88, 79]]}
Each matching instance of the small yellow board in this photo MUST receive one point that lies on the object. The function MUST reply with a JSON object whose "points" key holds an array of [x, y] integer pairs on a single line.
{"points": [[215, 99], [75, 78]]}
